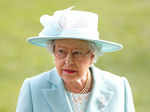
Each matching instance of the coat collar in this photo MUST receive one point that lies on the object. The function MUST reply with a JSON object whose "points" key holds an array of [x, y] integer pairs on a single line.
{"points": [[100, 97], [101, 94], [55, 95]]}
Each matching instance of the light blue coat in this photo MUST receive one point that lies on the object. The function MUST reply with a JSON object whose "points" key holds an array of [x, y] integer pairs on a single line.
{"points": [[46, 93]]}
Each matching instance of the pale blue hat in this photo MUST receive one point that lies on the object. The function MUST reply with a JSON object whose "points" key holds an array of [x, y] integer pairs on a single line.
{"points": [[72, 24]]}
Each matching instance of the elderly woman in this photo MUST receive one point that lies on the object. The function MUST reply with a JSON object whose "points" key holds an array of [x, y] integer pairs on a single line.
{"points": [[75, 84]]}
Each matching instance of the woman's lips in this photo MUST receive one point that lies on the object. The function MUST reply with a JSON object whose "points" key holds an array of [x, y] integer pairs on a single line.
{"points": [[69, 71]]}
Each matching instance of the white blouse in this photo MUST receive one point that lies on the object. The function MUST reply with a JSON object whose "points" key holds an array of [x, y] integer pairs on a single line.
{"points": [[79, 101]]}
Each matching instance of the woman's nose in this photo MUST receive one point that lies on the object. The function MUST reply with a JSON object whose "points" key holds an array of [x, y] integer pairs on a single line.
{"points": [[68, 59]]}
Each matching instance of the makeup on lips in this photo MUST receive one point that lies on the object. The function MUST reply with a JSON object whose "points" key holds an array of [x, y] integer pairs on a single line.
{"points": [[69, 71]]}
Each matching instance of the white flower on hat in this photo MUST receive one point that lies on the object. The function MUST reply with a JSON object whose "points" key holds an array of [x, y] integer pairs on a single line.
{"points": [[50, 25], [55, 24]]}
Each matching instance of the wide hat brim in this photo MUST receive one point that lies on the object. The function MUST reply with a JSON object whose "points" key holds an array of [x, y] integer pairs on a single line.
{"points": [[106, 46]]}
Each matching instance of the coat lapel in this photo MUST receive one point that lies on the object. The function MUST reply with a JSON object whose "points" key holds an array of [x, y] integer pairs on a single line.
{"points": [[55, 94], [101, 95]]}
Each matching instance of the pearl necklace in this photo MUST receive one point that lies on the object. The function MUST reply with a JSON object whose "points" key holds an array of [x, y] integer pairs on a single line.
{"points": [[82, 96], [87, 85]]}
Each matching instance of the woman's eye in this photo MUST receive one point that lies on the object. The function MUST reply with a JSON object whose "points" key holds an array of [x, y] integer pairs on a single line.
{"points": [[60, 51], [77, 53]]}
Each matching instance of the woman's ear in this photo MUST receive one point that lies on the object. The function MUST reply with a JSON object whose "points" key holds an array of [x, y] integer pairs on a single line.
{"points": [[92, 58]]}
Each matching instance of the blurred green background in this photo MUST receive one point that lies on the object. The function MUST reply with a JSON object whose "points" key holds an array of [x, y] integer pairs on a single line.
{"points": [[122, 21]]}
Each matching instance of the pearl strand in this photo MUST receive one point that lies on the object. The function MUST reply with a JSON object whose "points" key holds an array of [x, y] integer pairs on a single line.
{"points": [[78, 100]]}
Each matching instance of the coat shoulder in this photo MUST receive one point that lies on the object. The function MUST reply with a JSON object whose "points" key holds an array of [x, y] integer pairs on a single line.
{"points": [[110, 78], [41, 80]]}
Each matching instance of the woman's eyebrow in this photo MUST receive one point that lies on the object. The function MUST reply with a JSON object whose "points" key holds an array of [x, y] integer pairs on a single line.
{"points": [[60, 46]]}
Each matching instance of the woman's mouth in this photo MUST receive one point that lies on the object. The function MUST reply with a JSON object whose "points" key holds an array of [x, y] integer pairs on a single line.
{"points": [[69, 71]]}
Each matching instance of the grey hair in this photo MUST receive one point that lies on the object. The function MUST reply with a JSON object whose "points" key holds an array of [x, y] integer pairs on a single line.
{"points": [[50, 46], [95, 49]]}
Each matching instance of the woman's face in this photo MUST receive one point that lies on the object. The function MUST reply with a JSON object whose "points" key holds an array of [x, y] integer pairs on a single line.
{"points": [[72, 58]]}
